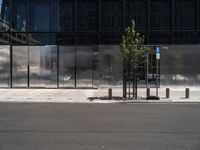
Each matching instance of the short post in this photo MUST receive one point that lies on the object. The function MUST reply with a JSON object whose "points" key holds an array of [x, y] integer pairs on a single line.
{"points": [[109, 93], [187, 93], [167, 93], [148, 92]]}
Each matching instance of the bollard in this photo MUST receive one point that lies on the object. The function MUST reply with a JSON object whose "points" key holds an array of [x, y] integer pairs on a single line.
{"points": [[187, 93], [148, 92], [167, 92], [110, 93]]}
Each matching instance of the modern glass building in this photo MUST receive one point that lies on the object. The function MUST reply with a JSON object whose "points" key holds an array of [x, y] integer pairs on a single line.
{"points": [[75, 43]]}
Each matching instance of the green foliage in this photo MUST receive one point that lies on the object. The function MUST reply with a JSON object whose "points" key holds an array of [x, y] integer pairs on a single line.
{"points": [[132, 46]]}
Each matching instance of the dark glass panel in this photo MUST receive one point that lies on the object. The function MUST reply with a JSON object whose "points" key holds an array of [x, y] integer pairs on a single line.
{"points": [[18, 38], [63, 38], [137, 10], [4, 38], [55, 15], [87, 15], [160, 37], [110, 38], [39, 39], [111, 15], [4, 15], [184, 14], [87, 38], [40, 15], [160, 15], [67, 12], [185, 37], [19, 15]]}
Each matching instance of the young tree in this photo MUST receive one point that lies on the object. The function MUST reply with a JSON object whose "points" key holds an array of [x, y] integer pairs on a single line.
{"points": [[134, 53]]}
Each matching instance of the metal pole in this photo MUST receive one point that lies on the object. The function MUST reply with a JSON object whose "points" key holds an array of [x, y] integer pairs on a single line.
{"points": [[147, 70], [156, 77]]}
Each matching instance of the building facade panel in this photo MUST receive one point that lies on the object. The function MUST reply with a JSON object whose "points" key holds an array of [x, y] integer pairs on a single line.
{"points": [[64, 43]]}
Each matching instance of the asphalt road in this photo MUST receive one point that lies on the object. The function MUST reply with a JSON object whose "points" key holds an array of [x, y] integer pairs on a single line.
{"points": [[99, 126]]}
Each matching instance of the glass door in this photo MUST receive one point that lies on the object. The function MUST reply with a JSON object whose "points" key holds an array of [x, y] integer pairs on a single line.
{"points": [[20, 66], [43, 66]]}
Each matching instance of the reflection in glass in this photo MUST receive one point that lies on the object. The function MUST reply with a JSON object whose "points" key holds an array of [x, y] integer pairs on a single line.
{"points": [[50, 65], [66, 66], [43, 66], [180, 66], [36, 66], [40, 15], [84, 62], [110, 66], [19, 15], [4, 15], [20, 66], [4, 66], [4, 38]]}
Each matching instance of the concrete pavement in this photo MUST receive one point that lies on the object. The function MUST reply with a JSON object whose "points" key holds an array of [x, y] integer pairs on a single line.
{"points": [[82, 95]]}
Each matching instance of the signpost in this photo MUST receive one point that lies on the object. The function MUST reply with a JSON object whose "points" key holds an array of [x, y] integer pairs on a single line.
{"points": [[157, 73]]}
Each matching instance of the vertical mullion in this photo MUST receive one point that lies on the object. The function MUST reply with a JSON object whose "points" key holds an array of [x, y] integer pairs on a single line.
{"points": [[11, 65], [99, 21], [124, 14], [75, 41], [173, 22], [58, 69], [148, 20]]}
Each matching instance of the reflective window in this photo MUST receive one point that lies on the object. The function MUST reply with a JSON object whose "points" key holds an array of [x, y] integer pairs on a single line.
{"points": [[111, 15], [4, 15], [19, 15], [66, 66], [87, 38], [184, 14], [110, 38], [39, 39], [137, 10], [87, 15], [110, 66], [63, 38], [4, 38], [20, 66], [160, 37], [18, 38], [40, 15], [160, 18], [185, 37], [55, 15], [84, 66], [4, 66], [67, 15]]}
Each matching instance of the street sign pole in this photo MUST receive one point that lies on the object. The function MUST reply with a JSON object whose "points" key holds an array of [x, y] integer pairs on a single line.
{"points": [[157, 71]]}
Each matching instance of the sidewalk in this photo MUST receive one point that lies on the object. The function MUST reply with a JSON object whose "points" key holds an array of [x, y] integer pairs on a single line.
{"points": [[82, 95]]}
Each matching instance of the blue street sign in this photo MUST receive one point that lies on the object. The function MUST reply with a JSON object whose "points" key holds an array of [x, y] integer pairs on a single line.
{"points": [[157, 50]]}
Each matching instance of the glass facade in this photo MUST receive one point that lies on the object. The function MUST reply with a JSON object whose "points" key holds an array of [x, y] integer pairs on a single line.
{"points": [[64, 43]]}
